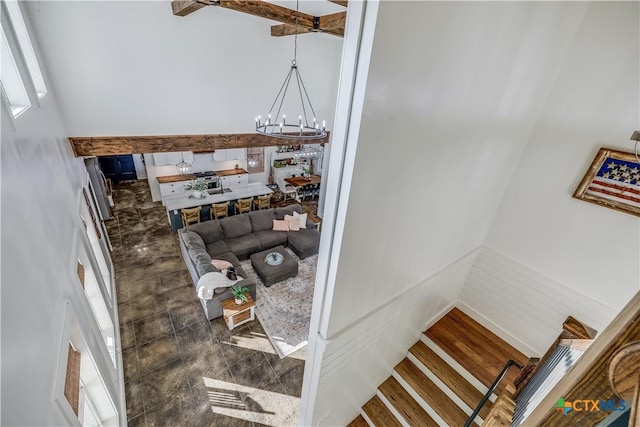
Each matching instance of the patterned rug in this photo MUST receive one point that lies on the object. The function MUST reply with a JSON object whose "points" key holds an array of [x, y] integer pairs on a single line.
{"points": [[284, 308]]}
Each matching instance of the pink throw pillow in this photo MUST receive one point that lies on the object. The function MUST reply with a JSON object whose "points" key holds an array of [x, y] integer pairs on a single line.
{"points": [[221, 264], [294, 223], [280, 225]]}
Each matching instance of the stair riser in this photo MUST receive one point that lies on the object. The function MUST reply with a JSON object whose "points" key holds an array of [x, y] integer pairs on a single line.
{"points": [[433, 377], [455, 365], [420, 400]]}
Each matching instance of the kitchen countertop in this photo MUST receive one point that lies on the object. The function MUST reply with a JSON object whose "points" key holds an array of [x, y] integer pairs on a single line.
{"points": [[175, 178], [231, 172], [181, 201]]}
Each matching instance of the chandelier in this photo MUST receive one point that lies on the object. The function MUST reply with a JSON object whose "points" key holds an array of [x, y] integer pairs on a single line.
{"points": [[307, 153], [183, 167], [275, 125]]}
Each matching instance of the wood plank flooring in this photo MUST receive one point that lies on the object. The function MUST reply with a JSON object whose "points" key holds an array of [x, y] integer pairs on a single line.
{"points": [[477, 349], [379, 414], [449, 376], [438, 384], [402, 401]]}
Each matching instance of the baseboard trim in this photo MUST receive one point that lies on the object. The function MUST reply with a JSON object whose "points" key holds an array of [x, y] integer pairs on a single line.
{"points": [[496, 329]]}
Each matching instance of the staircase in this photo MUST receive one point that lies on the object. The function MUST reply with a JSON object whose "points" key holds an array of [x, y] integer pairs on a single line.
{"points": [[443, 378]]}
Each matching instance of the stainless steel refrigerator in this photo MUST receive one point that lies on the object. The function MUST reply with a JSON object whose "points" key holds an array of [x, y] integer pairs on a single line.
{"points": [[101, 189]]}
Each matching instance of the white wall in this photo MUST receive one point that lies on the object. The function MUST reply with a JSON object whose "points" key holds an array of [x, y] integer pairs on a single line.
{"points": [[591, 251], [133, 68], [41, 198], [523, 306], [453, 93]]}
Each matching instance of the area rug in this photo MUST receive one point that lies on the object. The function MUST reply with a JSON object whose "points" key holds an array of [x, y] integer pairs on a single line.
{"points": [[284, 308]]}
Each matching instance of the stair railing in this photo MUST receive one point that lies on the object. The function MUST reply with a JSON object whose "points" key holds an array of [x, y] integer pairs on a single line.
{"points": [[488, 394]]}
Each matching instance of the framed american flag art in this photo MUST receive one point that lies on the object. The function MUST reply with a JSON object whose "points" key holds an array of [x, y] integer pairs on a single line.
{"points": [[613, 180]]}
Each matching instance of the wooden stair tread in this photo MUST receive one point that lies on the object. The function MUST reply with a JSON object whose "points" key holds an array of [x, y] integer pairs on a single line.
{"points": [[477, 349], [379, 414], [402, 401], [450, 377], [431, 393], [359, 421]]}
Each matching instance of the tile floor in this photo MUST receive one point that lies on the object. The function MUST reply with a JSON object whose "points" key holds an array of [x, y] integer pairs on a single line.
{"points": [[180, 369]]}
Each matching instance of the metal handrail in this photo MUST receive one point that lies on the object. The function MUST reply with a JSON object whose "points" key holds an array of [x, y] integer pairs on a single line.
{"points": [[488, 394]]}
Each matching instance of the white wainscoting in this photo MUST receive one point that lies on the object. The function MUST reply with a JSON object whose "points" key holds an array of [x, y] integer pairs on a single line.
{"points": [[523, 306], [362, 356]]}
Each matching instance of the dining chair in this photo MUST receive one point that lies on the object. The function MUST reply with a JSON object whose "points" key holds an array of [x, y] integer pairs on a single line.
{"points": [[219, 210], [289, 192], [190, 216], [243, 205], [262, 202]]}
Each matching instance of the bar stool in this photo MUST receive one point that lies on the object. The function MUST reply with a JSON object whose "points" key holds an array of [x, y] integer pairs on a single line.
{"points": [[219, 210], [262, 202], [190, 216], [243, 205]]}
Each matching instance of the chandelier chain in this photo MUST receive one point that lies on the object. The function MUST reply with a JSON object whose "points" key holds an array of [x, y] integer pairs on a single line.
{"points": [[295, 37]]}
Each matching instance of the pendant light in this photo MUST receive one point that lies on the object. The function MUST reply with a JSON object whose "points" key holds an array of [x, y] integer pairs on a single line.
{"points": [[183, 167], [306, 127]]}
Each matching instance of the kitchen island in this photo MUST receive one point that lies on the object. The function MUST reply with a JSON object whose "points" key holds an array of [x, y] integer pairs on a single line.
{"points": [[174, 203]]}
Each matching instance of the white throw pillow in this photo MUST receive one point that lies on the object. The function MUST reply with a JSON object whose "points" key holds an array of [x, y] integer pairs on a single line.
{"points": [[302, 218]]}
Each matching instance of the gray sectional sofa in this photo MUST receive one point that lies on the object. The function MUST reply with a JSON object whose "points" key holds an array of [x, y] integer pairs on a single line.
{"points": [[235, 238]]}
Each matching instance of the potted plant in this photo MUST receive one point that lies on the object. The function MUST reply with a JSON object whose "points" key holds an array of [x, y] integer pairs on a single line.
{"points": [[238, 293], [198, 187]]}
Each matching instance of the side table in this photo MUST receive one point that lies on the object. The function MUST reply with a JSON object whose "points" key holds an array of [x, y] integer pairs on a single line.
{"points": [[238, 314], [316, 220]]}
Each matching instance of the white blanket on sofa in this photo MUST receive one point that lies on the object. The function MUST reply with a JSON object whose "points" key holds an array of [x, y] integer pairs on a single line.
{"points": [[209, 282]]}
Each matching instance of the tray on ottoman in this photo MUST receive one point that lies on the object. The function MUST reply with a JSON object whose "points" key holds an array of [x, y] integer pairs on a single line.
{"points": [[272, 272]]}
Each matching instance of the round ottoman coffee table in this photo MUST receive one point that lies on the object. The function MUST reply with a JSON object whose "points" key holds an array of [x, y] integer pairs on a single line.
{"points": [[274, 265]]}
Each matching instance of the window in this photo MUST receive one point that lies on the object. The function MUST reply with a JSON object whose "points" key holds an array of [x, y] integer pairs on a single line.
{"points": [[98, 306], [26, 47], [80, 390], [12, 84]]}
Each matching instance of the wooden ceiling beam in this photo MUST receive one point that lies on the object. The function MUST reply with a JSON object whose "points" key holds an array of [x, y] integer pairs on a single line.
{"points": [[185, 7], [344, 3], [114, 145], [268, 10], [330, 24], [288, 30]]}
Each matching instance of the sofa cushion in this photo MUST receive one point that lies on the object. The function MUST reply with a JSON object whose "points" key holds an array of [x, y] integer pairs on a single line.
{"points": [[304, 242], [210, 231], [243, 246], [287, 210], [236, 226], [205, 267], [215, 248], [197, 254], [192, 239], [262, 219], [269, 239]]}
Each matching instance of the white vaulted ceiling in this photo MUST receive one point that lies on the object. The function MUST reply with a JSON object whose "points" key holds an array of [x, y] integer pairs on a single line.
{"points": [[133, 68]]}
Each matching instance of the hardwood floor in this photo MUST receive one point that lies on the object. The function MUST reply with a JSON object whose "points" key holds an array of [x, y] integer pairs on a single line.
{"points": [[478, 350], [443, 377]]}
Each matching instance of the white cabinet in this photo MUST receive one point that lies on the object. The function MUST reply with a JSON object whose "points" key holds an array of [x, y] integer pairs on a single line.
{"points": [[173, 189], [230, 154], [240, 180], [172, 158]]}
